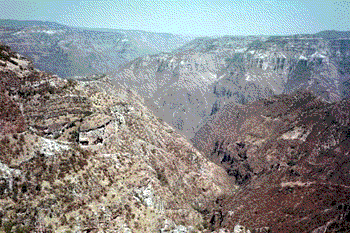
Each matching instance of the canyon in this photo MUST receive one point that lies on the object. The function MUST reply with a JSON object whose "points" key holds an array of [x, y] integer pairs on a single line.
{"points": [[188, 85], [129, 131]]}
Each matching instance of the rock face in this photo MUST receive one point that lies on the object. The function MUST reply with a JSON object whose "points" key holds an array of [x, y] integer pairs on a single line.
{"points": [[195, 81], [290, 156], [89, 157], [301, 63], [178, 84], [68, 51]]}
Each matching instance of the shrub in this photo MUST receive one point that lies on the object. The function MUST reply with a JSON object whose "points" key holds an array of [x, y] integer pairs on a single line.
{"points": [[161, 176], [74, 136]]}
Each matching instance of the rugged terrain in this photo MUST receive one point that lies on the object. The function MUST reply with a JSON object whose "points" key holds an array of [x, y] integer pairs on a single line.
{"points": [[178, 84], [68, 51], [87, 156], [196, 80], [186, 81], [290, 156]]}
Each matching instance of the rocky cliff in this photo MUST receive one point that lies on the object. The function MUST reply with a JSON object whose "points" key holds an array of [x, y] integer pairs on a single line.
{"points": [[86, 156], [285, 65], [179, 84], [197, 80]]}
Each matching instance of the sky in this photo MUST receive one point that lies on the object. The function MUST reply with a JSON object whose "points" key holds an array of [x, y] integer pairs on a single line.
{"points": [[189, 17]]}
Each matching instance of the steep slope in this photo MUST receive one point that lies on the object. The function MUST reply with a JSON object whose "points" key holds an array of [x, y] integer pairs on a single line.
{"points": [[290, 156], [86, 156], [178, 84], [68, 51], [285, 65], [196, 80]]}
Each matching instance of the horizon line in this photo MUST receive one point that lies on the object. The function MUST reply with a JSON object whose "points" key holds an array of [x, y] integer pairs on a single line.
{"points": [[170, 33]]}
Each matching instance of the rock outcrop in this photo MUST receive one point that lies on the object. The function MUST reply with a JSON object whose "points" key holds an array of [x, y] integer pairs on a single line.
{"points": [[86, 156]]}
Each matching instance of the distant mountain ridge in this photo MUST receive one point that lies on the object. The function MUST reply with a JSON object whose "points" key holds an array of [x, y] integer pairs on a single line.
{"points": [[69, 51], [160, 42], [191, 79], [199, 78]]}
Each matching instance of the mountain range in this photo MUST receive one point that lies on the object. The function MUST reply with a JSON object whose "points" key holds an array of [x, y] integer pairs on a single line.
{"points": [[69, 51], [195, 81], [241, 134]]}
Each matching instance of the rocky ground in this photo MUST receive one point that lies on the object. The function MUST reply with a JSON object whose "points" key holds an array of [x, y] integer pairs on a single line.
{"points": [[86, 156], [289, 154]]}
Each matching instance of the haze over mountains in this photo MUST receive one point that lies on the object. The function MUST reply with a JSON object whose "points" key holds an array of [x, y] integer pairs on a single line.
{"points": [[68, 51], [267, 117], [190, 80]]}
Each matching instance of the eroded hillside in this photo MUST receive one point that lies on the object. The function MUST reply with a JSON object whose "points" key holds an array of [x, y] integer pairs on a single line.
{"points": [[196, 80], [290, 156], [179, 84], [86, 156]]}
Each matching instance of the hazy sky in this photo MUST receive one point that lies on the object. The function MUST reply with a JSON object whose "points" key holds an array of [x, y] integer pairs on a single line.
{"points": [[201, 18]]}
